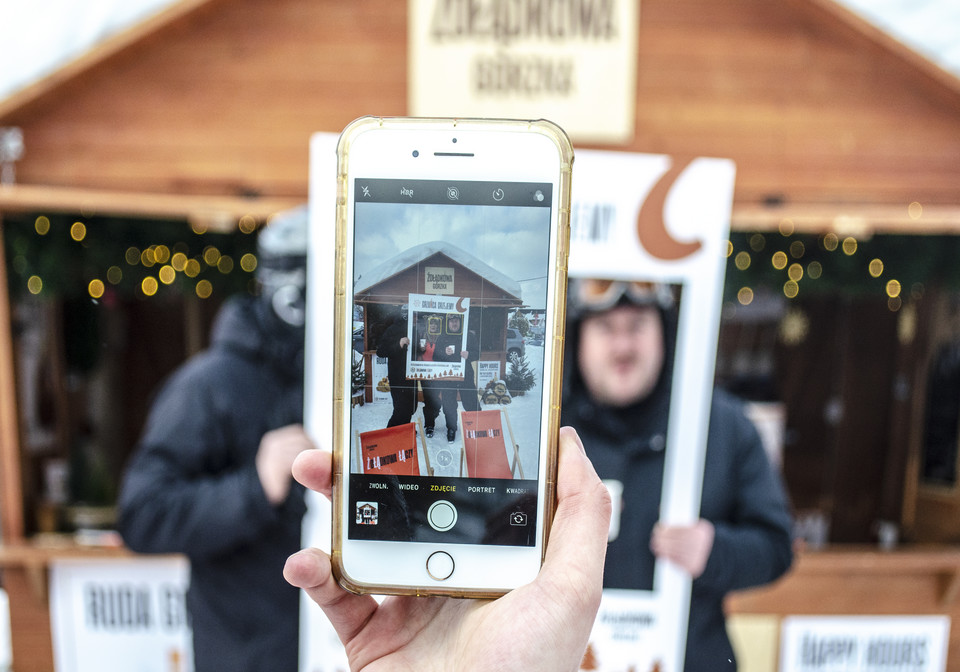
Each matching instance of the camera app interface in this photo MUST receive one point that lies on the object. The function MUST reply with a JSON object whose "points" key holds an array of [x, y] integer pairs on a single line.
{"points": [[449, 312]]}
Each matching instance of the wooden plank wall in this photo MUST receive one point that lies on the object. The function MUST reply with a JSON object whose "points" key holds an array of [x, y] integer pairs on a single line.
{"points": [[222, 101]]}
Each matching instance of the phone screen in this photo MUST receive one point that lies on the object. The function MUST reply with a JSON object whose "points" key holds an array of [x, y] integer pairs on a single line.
{"points": [[449, 306]]}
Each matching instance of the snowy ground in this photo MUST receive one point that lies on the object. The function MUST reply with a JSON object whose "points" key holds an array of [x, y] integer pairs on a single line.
{"points": [[524, 419]]}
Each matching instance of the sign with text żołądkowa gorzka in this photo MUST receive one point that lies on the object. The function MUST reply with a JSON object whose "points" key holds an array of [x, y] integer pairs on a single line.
{"points": [[527, 59]]}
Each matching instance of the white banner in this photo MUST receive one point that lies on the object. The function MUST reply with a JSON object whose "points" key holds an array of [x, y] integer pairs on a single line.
{"points": [[864, 644], [527, 59], [120, 614]]}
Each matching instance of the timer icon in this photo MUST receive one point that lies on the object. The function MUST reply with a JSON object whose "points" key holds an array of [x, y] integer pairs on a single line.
{"points": [[498, 194]]}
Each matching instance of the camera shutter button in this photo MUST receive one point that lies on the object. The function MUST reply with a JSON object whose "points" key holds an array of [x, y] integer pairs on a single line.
{"points": [[442, 515]]}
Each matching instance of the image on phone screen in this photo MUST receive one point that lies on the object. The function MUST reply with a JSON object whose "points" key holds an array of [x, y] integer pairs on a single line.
{"points": [[449, 299]]}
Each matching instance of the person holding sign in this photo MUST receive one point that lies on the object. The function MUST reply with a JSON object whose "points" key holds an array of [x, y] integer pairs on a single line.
{"points": [[621, 340], [449, 348]]}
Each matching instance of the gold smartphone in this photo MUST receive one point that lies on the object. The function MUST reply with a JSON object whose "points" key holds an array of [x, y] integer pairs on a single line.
{"points": [[451, 253]]}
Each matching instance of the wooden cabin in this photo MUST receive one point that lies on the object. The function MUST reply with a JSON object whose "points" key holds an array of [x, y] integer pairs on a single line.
{"points": [[201, 117]]}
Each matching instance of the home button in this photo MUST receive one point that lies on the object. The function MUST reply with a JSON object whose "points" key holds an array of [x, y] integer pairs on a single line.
{"points": [[440, 565]]}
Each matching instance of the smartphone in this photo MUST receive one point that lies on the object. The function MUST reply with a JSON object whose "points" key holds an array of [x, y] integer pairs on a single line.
{"points": [[451, 254]]}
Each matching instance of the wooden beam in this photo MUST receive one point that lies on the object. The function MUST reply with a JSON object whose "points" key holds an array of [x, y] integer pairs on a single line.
{"points": [[855, 219], [218, 213], [11, 494]]}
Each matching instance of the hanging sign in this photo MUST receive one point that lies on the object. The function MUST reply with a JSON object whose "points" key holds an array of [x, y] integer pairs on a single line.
{"points": [[527, 59]]}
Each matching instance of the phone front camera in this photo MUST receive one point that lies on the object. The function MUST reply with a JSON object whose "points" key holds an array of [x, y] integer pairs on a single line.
{"points": [[454, 141], [416, 153]]}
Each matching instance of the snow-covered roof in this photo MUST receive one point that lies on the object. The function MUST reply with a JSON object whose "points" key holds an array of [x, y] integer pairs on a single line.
{"points": [[419, 253]]}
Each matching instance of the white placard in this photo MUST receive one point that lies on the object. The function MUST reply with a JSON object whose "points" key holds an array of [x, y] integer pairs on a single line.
{"points": [[653, 218], [864, 643], [6, 644], [527, 60], [120, 614]]}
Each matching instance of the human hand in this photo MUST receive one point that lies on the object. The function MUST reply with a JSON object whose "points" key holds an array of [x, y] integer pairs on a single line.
{"points": [[687, 546], [543, 625], [278, 448], [404, 342]]}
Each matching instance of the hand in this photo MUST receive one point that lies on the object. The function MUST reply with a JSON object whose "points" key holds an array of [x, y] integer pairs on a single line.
{"points": [[278, 448], [686, 546], [404, 342], [544, 625], [464, 354]]}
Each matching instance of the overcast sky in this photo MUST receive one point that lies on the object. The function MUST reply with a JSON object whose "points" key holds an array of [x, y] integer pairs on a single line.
{"points": [[37, 36]]}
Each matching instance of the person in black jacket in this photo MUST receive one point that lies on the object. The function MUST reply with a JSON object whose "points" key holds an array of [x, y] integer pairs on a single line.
{"points": [[210, 477], [443, 393], [618, 367], [403, 392]]}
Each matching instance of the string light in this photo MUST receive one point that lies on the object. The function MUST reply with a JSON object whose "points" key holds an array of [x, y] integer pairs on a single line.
{"points": [[42, 225], [78, 231], [830, 242], [745, 296], [875, 268], [850, 246], [779, 260], [95, 288], [742, 260]]}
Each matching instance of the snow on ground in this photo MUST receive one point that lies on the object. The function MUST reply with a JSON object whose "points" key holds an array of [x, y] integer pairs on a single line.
{"points": [[523, 412]]}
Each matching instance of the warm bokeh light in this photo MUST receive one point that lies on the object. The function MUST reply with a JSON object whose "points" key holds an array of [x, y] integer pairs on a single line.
{"points": [[211, 255], [729, 250], [742, 260], [797, 249], [893, 288], [894, 303], [247, 224], [779, 260], [791, 289], [192, 268], [149, 286], [178, 261], [42, 225], [132, 256], [850, 246], [795, 272], [786, 227], [204, 289], [814, 270], [745, 296], [830, 242], [114, 275], [95, 288], [875, 268], [34, 284], [147, 258], [248, 262], [915, 210], [167, 275], [161, 254], [78, 231], [757, 242]]}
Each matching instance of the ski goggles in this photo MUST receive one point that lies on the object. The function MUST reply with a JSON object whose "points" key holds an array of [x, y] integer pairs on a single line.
{"points": [[591, 294]]}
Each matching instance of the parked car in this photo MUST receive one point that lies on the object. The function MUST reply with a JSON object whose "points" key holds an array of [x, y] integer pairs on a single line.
{"points": [[515, 343]]}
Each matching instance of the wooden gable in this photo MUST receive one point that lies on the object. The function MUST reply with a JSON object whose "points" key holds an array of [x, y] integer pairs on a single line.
{"points": [[481, 291], [824, 115]]}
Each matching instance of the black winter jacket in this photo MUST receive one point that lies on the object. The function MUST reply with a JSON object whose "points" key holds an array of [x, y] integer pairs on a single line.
{"points": [[192, 488], [742, 496]]}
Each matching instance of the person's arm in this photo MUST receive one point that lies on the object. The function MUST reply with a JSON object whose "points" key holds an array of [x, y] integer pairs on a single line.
{"points": [[543, 626], [181, 494]]}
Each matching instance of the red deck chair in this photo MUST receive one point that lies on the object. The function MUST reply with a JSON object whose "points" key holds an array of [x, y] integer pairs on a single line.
{"points": [[390, 451], [484, 449]]}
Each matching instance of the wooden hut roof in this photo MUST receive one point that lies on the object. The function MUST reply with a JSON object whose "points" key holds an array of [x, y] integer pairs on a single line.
{"points": [[825, 116]]}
